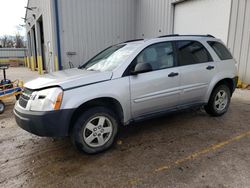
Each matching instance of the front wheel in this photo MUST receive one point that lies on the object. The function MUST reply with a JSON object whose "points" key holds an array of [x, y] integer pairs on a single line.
{"points": [[95, 130], [219, 101]]}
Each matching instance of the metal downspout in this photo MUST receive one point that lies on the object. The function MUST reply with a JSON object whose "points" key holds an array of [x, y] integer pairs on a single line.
{"points": [[58, 35]]}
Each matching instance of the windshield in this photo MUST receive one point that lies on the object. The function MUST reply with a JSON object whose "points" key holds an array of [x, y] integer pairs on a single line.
{"points": [[110, 58]]}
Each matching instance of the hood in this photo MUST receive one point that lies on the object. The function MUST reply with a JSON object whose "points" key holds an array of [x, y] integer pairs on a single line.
{"points": [[68, 79]]}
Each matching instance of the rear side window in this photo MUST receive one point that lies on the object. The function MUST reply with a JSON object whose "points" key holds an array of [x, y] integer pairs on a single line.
{"points": [[192, 52], [220, 50]]}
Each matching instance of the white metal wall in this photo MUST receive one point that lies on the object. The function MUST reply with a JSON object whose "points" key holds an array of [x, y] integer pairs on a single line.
{"points": [[153, 18], [46, 10], [203, 17], [239, 37], [89, 26]]}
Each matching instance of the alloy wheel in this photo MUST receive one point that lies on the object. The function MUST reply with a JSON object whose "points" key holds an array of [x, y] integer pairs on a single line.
{"points": [[97, 131], [221, 101]]}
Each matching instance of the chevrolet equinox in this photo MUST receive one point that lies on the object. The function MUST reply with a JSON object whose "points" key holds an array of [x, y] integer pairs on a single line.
{"points": [[128, 82]]}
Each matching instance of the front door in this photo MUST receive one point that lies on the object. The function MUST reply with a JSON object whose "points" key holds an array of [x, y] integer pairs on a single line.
{"points": [[157, 90]]}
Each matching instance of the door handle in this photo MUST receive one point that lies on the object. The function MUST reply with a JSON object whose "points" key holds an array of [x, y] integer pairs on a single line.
{"points": [[210, 67], [173, 74]]}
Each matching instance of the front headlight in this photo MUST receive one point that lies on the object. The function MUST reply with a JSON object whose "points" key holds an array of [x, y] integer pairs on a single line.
{"points": [[46, 100]]}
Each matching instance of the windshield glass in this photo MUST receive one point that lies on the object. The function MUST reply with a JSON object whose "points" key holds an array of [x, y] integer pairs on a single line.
{"points": [[110, 58]]}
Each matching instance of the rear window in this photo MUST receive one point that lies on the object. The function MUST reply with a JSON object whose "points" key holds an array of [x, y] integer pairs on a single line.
{"points": [[220, 50], [192, 52]]}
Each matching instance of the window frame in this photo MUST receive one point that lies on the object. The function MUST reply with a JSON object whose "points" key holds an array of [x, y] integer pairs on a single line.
{"points": [[127, 72], [177, 52]]}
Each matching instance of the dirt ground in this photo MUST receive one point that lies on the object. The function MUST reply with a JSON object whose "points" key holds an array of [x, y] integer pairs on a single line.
{"points": [[185, 149]]}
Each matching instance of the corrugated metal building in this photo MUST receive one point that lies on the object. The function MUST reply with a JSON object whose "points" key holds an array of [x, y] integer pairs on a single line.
{"points": [[65, 33], [8, 55]]}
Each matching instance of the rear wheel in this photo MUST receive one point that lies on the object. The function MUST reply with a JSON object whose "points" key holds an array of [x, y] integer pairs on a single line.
{"points": [[95, 130], [2, 107], [219, 101]]}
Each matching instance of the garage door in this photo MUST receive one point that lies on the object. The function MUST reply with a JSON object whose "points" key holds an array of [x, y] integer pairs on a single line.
{"points": [[203, 17]]}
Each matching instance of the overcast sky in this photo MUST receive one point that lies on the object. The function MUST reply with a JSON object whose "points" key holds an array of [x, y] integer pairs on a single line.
{"points": [[11, 12]]}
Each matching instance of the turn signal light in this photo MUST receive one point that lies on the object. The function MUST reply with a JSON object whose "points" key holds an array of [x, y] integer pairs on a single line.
{"points": [[58, 102]]}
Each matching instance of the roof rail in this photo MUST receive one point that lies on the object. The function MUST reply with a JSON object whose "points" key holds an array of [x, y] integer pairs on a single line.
{"points": [[134, 40], [210, 36], [177, 35], [172, 35]]}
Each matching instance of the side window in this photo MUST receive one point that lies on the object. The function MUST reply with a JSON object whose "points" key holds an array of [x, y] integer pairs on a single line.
{"points": [[192, 52], [220, 50], [159, 56]]}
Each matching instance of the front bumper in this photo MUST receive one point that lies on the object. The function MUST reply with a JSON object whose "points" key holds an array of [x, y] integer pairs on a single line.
{"points": [[49, 124]]}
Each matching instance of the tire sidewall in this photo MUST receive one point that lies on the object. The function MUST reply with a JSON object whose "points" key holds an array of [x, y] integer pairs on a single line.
{"points": [[77, 132], [212, 100], [2, 104]]}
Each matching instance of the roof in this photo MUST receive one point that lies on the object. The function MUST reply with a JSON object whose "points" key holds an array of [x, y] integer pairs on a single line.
{"points": [[173, 37]]}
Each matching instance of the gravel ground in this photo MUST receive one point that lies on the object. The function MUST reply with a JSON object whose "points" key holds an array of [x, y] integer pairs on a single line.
{"points": [[185, 149]]}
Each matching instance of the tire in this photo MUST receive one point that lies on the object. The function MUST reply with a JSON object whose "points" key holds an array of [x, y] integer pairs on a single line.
{"points": [[219, 101], [2, 107], [95, 130]]}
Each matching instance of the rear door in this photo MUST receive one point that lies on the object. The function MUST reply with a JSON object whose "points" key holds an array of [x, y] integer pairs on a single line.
{"points": [[196, 69], [157, 90]]}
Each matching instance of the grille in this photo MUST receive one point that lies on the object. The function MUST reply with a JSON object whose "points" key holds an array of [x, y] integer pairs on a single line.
{"points": [[24, 98], [23, 102]]}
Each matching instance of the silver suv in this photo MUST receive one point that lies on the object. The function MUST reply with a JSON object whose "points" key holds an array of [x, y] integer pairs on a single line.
{"points": [[128, 82]]}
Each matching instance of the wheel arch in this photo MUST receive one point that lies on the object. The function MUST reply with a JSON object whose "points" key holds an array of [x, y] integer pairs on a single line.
{"points": [[226, 81], [108, 102]]}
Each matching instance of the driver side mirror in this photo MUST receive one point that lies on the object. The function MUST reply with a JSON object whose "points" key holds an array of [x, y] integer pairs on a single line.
{"points": [[142, 68]]}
